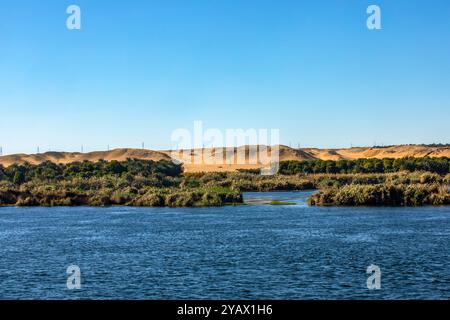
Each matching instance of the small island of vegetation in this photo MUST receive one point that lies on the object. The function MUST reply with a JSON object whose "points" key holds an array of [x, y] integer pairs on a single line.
{"points": [[377, 182]]}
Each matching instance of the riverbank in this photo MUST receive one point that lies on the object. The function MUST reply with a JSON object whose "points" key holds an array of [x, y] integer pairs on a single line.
{"points": [[163, 184], [383, 195], [127, 183]]}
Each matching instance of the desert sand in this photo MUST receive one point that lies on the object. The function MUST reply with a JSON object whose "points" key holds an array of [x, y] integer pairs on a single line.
{"points": [[209, 160]]}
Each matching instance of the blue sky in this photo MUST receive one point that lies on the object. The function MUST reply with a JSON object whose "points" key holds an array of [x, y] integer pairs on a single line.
{"points": [[137, 70]]}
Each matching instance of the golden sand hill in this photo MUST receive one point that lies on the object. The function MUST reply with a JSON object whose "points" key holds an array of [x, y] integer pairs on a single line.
{"points": [[68, 157], [380, 153], [229, 159]]}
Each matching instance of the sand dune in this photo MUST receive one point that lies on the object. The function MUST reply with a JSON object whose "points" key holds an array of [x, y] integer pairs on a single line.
{"points": [[230, 159], [67, 157], [380, 153]]}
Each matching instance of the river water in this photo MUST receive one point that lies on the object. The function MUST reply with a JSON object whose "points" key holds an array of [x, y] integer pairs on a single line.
{"points": [[255, 251]]}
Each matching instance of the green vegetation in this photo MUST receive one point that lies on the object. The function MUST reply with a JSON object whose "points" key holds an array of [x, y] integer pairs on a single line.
{"points": [[383, 195], [248, 181], [403, 188], [131, 182], [435, 165], [156, 184], [395, 189], [282, 203], [48, 171]]}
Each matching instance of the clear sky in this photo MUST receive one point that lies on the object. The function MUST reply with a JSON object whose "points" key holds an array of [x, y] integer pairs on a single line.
{"points": [[137, 70]]}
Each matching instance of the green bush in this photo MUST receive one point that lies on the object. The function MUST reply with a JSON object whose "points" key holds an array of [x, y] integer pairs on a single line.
{"points": [[383, 195], [370, 165]]}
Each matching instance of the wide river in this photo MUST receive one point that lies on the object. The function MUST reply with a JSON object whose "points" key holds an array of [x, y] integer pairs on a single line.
{"points": [[256, 251]]}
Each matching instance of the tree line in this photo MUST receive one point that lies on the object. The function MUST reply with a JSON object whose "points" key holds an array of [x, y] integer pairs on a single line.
{"points": [[388, 165], [21, 173]]}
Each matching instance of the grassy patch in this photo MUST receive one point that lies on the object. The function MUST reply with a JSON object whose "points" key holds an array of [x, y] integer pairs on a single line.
{"points": [[282, 203]]}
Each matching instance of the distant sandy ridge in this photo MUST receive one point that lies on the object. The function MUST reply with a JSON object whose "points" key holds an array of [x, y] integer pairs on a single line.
{"points": [[206, 164]]}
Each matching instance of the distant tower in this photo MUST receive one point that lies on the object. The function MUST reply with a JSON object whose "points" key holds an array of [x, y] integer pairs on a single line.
{"points": [[38, 149], [143, 146], [81, 148], [108, 147], [1, 151]]}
